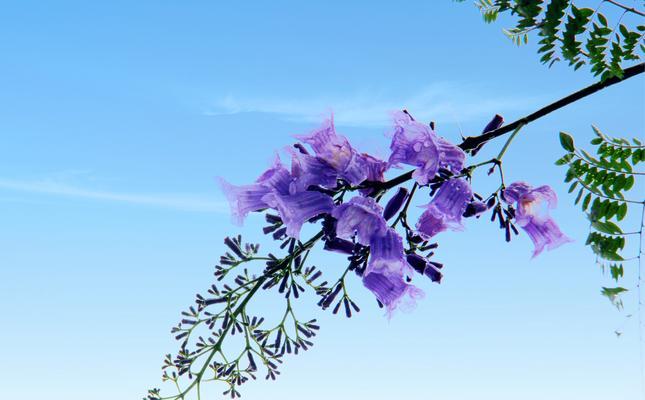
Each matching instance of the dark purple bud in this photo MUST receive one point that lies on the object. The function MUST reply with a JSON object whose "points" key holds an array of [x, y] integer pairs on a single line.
{"points": [[436, 264], [417, 262], [272, 219], [315, 276], [348, 311], [433, 273], [252, 365], [208, 302], [395, 203], [270, 228], [494, 123], [340, 246], [279, 233], [474, 209], [234, 246], [301, 148]]}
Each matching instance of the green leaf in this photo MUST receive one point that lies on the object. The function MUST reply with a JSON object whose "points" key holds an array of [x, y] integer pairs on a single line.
{"points": [[622, 211], [606, 227], [578, 196], [616, 271], [567, 142], [564, 159], [573, 186], [613, 295], [585, 202]]}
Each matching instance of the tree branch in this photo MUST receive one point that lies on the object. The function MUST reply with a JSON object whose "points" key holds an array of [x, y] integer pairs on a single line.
{"points": [[473, 142], [626, 8]]}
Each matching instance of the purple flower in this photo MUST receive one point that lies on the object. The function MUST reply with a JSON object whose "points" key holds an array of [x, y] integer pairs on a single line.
{"points": [[451, 157], [308, 170], [416, 144], [386, 271], [248, 198], [296, 209], [532, 215], [395, 203], [336, 151], [374, 168], [360, 217], [277, 189], [446, 208]]}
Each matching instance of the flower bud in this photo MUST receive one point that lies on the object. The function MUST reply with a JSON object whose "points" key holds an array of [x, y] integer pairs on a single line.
{"points": [[395, 203]]}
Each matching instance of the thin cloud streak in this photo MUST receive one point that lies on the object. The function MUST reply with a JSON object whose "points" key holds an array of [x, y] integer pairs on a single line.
{"points": [[443, 102], [178, 202]]}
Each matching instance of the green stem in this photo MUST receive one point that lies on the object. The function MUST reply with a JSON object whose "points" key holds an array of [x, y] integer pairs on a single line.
{"points": [[407, 204], [508, 142], [597, 193]]}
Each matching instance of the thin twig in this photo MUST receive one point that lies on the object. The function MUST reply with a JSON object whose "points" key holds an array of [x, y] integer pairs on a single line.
{"points": [[626, 8]]}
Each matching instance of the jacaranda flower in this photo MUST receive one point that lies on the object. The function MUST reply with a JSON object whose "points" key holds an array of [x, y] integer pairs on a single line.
{"points": [[360, 217], [248, 198], [416, 144], [276, 188], [336, 151], [309, 171], [446, 208], [296, 209], [386, 272], [532, 215], [451, 157]]}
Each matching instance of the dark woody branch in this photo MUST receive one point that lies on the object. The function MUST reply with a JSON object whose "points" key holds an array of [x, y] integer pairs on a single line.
{"points": [[475, 142]]}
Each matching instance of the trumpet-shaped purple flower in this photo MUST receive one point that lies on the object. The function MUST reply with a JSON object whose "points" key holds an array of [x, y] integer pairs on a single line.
{"points": [[296, 209], [336, 151], [276, 188], [446, 208], [374, 167], [360, 217], [247, 198], [451, 157], [416, 144], [386, 271], [532, 215], [309, 171]]}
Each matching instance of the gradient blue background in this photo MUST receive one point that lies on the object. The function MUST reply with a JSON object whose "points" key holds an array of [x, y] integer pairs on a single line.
{"points": [[117, 117]]}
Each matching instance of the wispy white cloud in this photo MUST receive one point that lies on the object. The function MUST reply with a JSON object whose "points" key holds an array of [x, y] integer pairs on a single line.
{"points": [[174, 201], [445, 102]]}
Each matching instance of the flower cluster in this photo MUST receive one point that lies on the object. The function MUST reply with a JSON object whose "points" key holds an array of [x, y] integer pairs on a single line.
{"points": [[324, 167], [329, 182]]}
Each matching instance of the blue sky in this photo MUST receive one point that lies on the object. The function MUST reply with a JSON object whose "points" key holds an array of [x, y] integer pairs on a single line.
{"points": [[117, 118]]}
